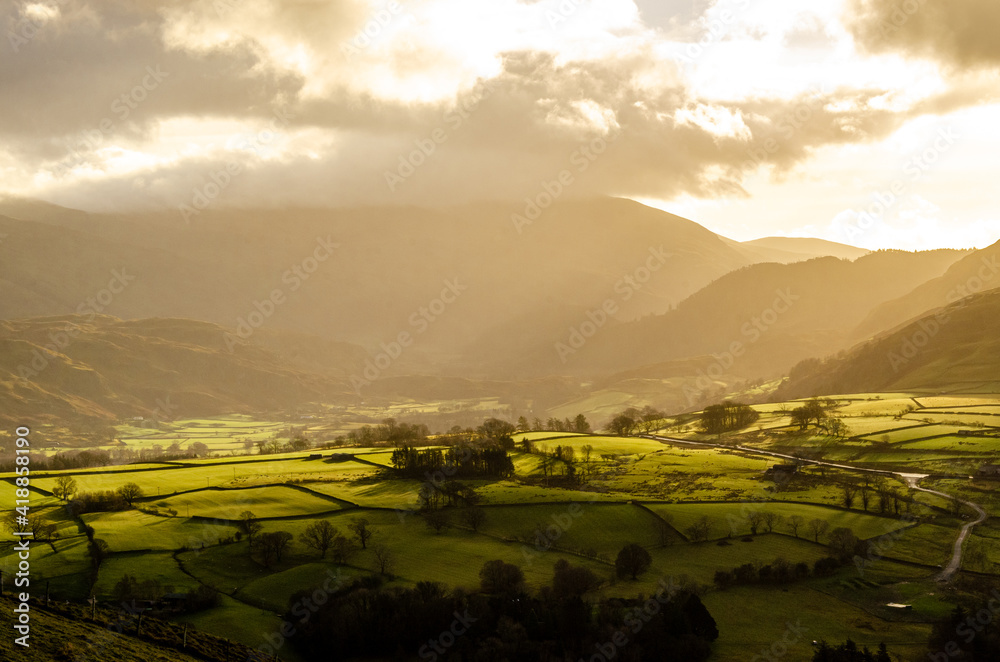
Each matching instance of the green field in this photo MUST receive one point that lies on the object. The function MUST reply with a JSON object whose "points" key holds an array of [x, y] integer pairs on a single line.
{"points": [[626, 491]]}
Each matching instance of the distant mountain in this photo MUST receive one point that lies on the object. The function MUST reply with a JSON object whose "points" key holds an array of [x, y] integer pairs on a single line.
{"points": [[795, 249], [81, 368], [779, 314], [467, 284], [975, 273], [954, 349]]}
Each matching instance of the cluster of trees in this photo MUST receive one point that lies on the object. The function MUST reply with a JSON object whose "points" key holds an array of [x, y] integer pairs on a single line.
{"points": [[41, 528], [463, 462], [501, 621], [388, 431], [578, 424], [875, 492], [320, 536], [100, 501], [448, 493], [634, 420], [849, 652], [781, 571], [728, 416], [814, 412]]}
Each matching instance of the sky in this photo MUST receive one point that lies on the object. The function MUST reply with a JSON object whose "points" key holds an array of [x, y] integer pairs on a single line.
{"points": [[870, 122]]}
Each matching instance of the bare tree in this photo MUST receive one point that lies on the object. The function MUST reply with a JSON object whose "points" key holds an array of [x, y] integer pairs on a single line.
{"points": [[362, 531], [849, 492], [319, 536], [436, 519], [794, 523], [475, 517], [771, 520], [249, 525], [818, 527], [754, 519], [384, 559]]}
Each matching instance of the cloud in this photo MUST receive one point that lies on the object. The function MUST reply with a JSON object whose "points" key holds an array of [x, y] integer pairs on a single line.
{"points": [[957, 33]]}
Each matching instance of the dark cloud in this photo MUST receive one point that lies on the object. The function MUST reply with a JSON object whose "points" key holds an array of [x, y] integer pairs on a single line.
{"points": [[958, 33]]}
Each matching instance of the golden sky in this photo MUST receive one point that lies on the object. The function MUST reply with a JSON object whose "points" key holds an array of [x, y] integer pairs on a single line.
{"points": [[871, 122]]}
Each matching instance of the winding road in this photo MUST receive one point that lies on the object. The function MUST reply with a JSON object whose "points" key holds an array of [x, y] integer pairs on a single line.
{"points": [[912, 480]]}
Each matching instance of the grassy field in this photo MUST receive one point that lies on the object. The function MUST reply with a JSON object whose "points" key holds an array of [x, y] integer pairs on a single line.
{"points": [[627, 489]]}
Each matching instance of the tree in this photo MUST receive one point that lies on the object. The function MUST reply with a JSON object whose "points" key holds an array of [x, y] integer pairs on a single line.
{"points": [[847, 498], [341, 549], [632, 560], [622, 425], [771, 520], [362, 531], [572, 581], [198, 449], [130, 492], [474, 516], [272, 545], [249, 525], [581, 425], [664, 531], [794, 523], [843, 543], [384, 559], [818, 527], [812, 411], [65, 488], [522, 424], [41, 529], [754, 519], [496, 428], [319, 536], [500, 578], [700, 530], [727, 417], [436, 519]]}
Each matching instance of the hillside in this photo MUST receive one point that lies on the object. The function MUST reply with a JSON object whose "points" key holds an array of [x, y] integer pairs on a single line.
{"points": [[974, 273], [360, 275], [73, 368], [66, 633], [798, 249], [779, 313], [953, 349]]}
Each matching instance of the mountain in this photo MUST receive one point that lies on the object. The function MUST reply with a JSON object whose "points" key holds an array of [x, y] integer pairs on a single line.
{"points": [[777, 313], [956, 348], [974, 273], [467, 284], [97, 369], [795, 249]]}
